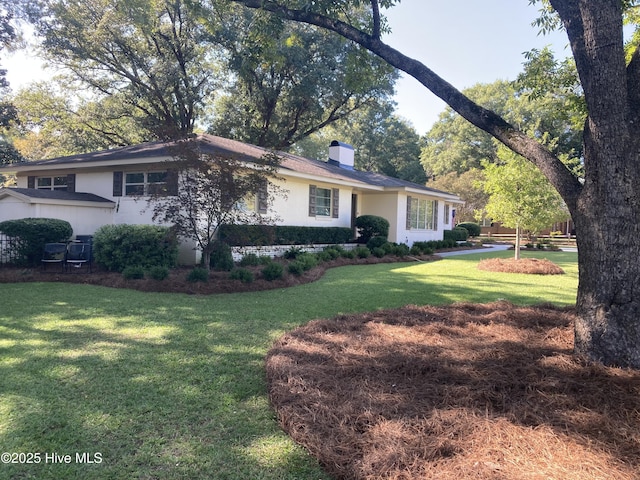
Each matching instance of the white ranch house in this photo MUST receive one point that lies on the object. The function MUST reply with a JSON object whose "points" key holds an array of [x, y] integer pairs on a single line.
{"points": [[99, 188]]}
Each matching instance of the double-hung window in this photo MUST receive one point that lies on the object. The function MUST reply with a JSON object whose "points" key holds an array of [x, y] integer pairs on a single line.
{"points": [[324, 202], [145, 183], [422, 214], [51, 183]]}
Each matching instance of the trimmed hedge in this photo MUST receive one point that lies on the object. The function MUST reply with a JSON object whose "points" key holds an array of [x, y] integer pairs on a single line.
{"points": [[119, 246], [32, 234], [457, 234], [260, 235], [371, 226]]}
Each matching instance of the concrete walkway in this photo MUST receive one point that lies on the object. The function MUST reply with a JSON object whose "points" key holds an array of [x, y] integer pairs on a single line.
{"points": [[488, 248]]}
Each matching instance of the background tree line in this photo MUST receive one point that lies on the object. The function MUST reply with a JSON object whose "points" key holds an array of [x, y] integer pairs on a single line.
{"points": [[141, 70]]}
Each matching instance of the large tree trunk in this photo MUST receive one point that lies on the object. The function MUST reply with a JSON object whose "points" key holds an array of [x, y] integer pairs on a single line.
{"points": [[607, 223]]}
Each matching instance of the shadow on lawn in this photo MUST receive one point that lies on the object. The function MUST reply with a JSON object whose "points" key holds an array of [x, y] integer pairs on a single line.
{"points": [[158, 389], [457, 392]]}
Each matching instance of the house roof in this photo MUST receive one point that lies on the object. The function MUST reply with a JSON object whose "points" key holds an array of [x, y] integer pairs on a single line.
{"points": [[33, 193], [210, 144]]}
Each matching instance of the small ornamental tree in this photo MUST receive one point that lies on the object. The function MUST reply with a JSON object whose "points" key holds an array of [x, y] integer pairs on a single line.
{"points": [[214, 190], [520, 196]]}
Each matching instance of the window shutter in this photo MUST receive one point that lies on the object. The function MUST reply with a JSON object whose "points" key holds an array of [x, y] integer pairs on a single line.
{"points": [[117, 183], [31, 182], [435, 214], [263, 197], [71, 183], [408, 225], [335, 203], [172, 182], [312, 200]]}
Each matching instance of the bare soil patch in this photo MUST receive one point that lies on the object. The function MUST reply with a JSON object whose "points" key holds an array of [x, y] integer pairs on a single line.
{"points": [[459, 392], [534, 266]]}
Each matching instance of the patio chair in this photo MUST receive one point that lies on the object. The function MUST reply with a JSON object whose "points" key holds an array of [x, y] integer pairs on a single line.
{"points": [[54, 253], [79, 254]]}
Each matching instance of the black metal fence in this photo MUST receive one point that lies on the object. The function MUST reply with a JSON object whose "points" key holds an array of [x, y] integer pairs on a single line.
{"points": [[8, 250]]}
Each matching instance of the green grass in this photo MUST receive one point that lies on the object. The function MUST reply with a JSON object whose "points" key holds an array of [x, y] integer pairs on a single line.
{"points": [[169, 386]]}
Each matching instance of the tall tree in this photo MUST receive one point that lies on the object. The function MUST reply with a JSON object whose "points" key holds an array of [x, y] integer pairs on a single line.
{"points": [[543, 102], [468, 186], [9, 34], [288, 81], [53, 121], [149, 52], [606, 205]]}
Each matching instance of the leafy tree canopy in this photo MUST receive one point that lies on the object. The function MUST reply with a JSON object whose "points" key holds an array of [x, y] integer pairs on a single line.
{"points": [[546, 101], [382, 142]]}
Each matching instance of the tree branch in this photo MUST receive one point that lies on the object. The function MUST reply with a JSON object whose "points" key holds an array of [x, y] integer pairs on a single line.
{"points": [[560, 177], [375, 8]]}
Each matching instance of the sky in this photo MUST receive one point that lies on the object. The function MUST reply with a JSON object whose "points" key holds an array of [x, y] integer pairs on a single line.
{"points": [[465, 42]]}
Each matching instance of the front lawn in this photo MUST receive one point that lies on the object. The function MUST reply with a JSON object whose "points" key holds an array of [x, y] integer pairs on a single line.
{"points": [[173, 386]]}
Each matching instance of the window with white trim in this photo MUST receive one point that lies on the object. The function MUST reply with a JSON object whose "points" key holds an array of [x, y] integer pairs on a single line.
{"points": [[447, 214], [422, 214]]}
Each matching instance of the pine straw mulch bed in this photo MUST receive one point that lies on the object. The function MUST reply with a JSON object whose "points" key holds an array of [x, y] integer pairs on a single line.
{"points": [[458, 392], [219, 282], [535, 266]]}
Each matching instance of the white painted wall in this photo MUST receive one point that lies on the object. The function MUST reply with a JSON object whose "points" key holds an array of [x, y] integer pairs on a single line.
{"points": [[294, 208], [84, 220]]}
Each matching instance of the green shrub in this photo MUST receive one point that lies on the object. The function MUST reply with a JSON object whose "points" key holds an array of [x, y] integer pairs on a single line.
{"points": [[250, 260], [401, 250], [242, 274], [133, 272], [334, 251], [31, 234], [264, 260], [473, 228], [308, 260], [326, 256], [116, 247], [221, 257], [361, 252], [198, 274], [158, 272], [415, 250], [295, 268], [378, 252], [348, 254], [292, 253], [458, 234], [273, 271], [371, 226], [376, 242]]}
